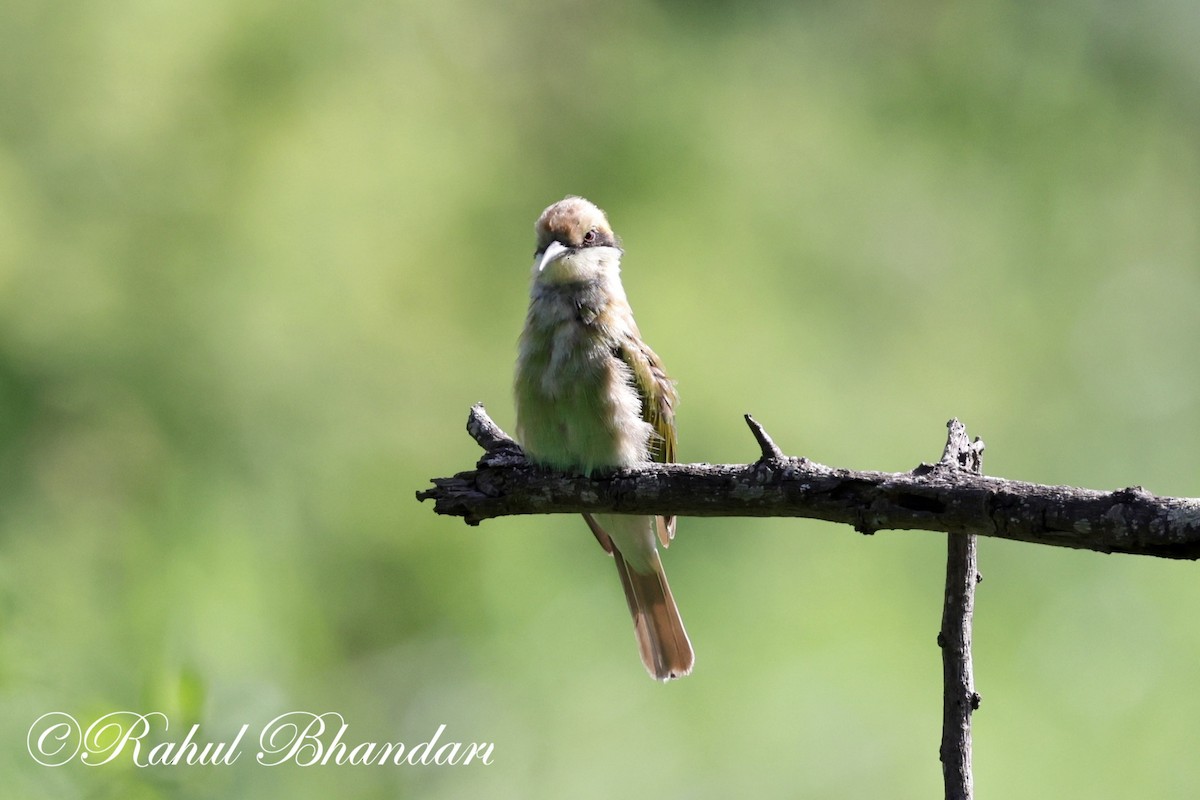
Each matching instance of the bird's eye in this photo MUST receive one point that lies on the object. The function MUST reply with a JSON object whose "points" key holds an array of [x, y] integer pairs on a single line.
{"points": [[590, 237]]}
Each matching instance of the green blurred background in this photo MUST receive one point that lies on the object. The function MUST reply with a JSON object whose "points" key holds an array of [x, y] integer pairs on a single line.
{"points": [[257, 260]]}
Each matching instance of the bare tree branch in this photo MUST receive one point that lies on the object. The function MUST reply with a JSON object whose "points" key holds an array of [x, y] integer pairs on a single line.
{"points": [[959, 698], [929, 498]]}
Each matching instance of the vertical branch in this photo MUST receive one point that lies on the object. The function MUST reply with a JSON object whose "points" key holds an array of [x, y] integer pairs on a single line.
{"points": [[959, 698], [958, 684]]}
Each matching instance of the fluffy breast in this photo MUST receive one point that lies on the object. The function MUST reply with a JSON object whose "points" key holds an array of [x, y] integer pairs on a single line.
{"points": [[577, 402]]}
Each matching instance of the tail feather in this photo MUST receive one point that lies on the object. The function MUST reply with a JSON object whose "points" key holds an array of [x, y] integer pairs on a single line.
{"points": [[662, 641]]}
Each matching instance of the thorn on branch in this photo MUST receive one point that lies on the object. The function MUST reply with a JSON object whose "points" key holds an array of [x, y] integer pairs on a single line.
{"points": [[961, 453], [499, 448], [770, 450], [484, 431]]}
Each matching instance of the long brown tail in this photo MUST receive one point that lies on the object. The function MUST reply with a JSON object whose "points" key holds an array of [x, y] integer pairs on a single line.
{"points": [[663, 642]]}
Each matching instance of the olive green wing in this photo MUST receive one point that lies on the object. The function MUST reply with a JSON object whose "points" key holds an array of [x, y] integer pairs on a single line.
{"points": [[658, 396]]}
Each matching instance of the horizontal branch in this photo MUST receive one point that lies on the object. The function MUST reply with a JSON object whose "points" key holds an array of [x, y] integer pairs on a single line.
{"points": [[946, 497]]}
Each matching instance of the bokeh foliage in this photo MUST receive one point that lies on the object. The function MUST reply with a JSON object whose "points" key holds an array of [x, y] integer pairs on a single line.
{"points": [[257, 260]]}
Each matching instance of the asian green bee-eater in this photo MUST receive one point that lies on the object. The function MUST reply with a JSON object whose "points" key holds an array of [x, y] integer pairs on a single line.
{"points": [[591, 396]]}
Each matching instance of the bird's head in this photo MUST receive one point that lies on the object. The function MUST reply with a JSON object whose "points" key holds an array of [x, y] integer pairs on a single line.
{"points": [[574, 242]]}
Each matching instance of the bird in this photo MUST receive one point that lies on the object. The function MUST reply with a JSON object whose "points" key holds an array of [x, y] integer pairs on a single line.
{"points": [[592, 397]]}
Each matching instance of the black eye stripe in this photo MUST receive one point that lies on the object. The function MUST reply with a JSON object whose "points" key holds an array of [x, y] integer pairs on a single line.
{"points": [[598, 238], [594, 237]]}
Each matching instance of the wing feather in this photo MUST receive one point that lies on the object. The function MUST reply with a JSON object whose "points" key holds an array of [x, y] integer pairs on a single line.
{"points": [[658, 396]]}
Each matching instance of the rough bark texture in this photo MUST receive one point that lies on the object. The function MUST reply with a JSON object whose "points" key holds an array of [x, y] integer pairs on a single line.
{"points": [[959, 699], [929, 498]]}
